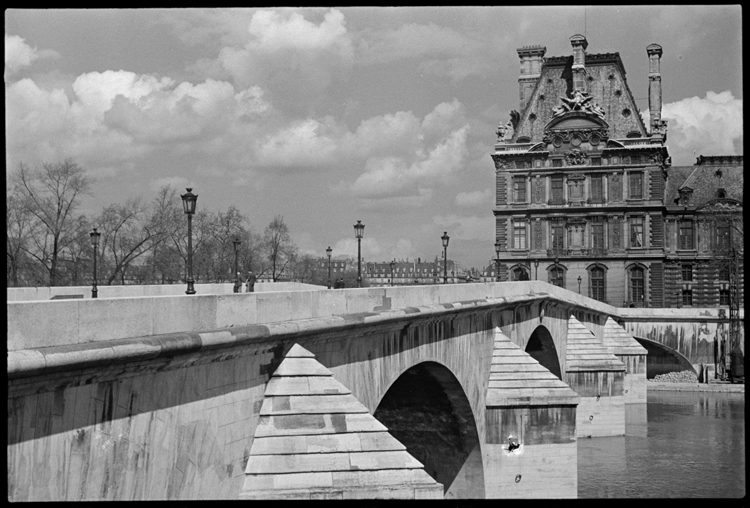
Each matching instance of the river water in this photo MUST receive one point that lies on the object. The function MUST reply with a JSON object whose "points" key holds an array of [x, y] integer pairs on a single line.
{"points": [[679, 444]]}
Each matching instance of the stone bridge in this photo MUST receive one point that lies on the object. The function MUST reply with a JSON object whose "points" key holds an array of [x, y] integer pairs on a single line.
{"points": [[447, 391]]}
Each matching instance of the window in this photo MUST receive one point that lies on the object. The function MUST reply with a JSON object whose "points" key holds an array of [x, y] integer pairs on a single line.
{"points": [[557, 163], [636, 232], [687, 297], [597, 238], [686, 235], [636, 185], [520, 274], [687, 273], [519, 235], [635, 159], [558, 237], [596, 279], [636, 285], [722, 235], [519, 189], [724, 273], [557, 276], [597, 189], [596, 161], [723, 297], [557, 190]]}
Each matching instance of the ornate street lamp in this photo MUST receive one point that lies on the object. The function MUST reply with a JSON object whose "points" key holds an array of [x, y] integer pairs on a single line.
{"points": [[237, 284], [536, 269], [188, 204], [392, 263], [328, 251], [497, 261], [95, 243], [445, 239], [579, 284], [359, 230]]}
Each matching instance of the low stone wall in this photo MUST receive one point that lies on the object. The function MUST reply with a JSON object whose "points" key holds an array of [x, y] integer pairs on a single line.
{"points": [[45, 323], [132, 291]]}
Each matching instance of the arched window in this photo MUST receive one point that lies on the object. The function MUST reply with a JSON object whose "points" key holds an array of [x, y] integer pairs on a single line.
{"points": [[597, 284], [520, 274], [557, 276], [637, 285]]}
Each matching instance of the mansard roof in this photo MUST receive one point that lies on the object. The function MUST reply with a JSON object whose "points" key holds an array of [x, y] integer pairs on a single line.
{"points": [[605, 84], [702, 179]]}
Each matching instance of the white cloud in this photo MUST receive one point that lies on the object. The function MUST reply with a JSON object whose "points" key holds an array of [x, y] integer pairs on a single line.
{"points": [[475, 198], [114, 116], [301, 144], [712, 125], [18, 54]]}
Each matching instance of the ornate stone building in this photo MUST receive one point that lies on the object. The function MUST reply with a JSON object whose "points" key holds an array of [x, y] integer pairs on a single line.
{"points": [[585, 195]]}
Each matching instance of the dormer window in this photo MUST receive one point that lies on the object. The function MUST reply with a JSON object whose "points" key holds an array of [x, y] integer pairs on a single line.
{"points": [[685, 195], [721, 193]]}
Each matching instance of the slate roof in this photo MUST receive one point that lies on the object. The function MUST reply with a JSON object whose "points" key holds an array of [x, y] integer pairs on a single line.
{"points": [[315, 439], [620, 342], [702, 179], [585, 353], [517, 379]]}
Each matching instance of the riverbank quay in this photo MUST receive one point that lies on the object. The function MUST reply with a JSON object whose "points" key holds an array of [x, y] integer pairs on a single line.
{"points": [[695, 387]]}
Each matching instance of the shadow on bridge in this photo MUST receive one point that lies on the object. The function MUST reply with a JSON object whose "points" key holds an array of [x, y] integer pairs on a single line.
{"points": [[663, 359], [426, 409]]}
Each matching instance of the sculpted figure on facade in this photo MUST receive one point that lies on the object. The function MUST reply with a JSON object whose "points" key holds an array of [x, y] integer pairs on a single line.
{"points": [[581, 101], [575, 157]]}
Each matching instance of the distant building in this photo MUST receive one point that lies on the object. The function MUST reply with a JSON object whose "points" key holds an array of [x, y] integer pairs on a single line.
{"points": [[409, 272], [584, 187]]}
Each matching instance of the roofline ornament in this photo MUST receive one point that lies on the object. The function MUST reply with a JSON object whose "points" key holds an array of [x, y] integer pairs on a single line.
{"points": [[581, 101]]}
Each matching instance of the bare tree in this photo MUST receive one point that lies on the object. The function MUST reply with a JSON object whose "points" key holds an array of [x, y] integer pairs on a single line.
{"points": [[127, 234], [279, 248], [20, 228], [51, 194]]}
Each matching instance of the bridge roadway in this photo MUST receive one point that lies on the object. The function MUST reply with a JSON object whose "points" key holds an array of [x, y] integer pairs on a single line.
{"points": [[407, 392]]}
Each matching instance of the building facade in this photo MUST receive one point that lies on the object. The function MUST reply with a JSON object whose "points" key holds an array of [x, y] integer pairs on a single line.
{"points": [[585, 192]]}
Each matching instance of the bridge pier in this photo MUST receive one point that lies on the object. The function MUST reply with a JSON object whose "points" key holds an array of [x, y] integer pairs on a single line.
{"points": [[530, 407], [597, 376], [621, 344]]}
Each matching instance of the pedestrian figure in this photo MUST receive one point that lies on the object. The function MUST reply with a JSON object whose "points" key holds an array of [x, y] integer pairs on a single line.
{"points": [[238, 283], [343, 284], [250, 281], [336, 284]]}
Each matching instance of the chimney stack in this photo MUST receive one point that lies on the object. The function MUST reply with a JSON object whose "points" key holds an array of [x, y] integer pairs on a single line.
{"points": [[654, 83], [579, 44], [531, 69]]}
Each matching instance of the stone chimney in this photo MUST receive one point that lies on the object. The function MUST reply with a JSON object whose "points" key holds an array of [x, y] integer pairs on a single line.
{"points": [[579, 44], [654, 84], [531, 69]]}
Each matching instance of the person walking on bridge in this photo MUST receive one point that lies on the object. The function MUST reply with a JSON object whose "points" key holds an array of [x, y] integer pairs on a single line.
{"points": [[250, 282]]}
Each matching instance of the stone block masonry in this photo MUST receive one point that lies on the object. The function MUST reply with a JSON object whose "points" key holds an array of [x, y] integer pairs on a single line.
{"points": [[598, 377], [314, 440]]}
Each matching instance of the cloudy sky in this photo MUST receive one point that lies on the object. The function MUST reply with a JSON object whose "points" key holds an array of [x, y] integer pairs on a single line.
{"points": [[331, 115]]}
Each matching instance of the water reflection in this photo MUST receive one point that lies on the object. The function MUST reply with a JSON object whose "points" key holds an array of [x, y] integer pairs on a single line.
{"points": [[690, 444]]}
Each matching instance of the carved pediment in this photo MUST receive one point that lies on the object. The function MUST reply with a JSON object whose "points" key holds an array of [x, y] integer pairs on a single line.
{"points": [[719, 206]]}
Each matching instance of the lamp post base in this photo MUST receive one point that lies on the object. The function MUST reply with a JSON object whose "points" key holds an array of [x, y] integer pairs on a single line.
{"points": [[190, 288]]}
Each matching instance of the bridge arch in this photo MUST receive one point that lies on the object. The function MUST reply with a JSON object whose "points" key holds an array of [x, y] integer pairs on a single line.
{"points": [[428, 411], [541, 348], [663, 359]]}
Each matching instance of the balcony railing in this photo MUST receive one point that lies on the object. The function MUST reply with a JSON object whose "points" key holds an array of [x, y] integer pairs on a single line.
{"points": [[594, 251]]}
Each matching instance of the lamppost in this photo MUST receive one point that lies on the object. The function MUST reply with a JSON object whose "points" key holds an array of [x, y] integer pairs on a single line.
{"points": [[536, 269], [95, 243], [392, 263], [237, 284], [188, 204], [359, 230], [445, 239], [579, 284], [328, 251], [497, 261]]}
